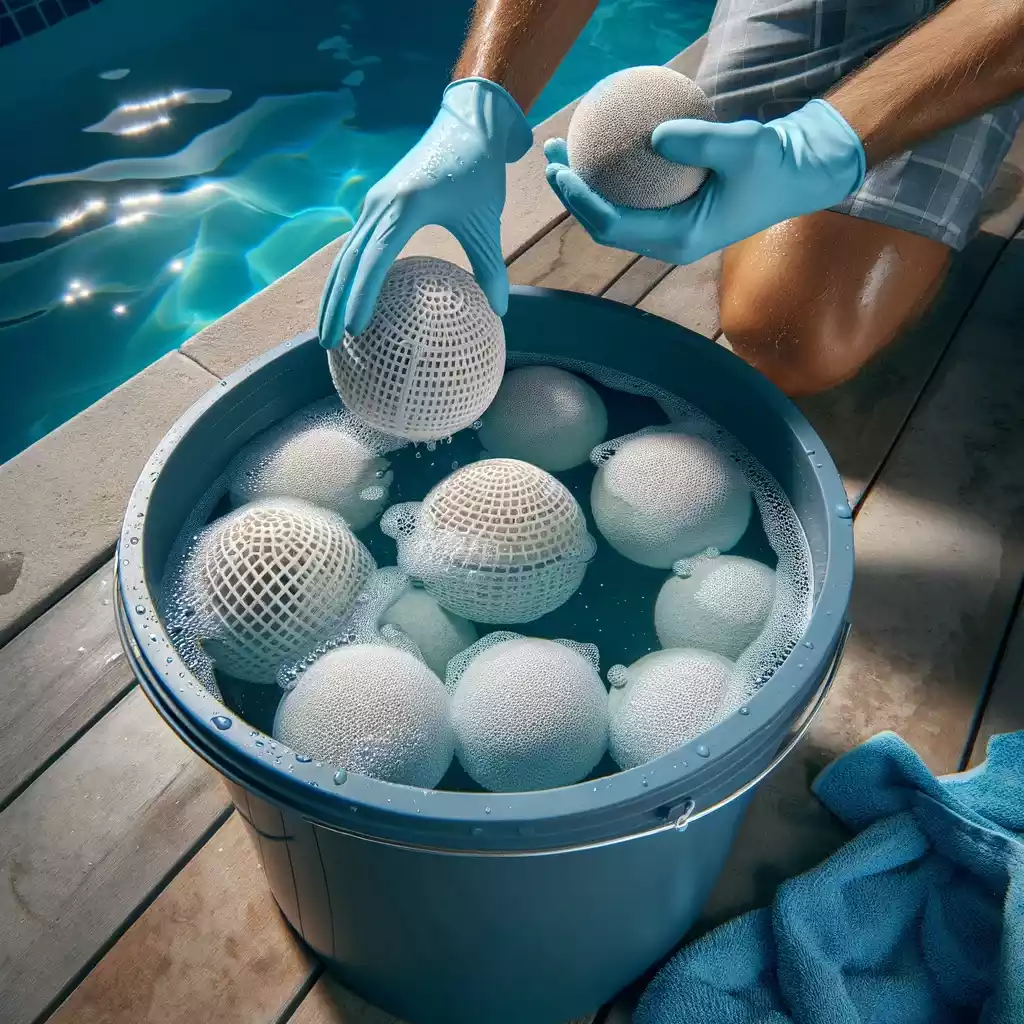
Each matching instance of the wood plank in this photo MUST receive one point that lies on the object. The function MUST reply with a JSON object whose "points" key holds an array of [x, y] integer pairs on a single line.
{"points": [[88, 843], [1004, 711], [940, 554], [56, 677], [689, 296], [211, 948], [638, 281]]}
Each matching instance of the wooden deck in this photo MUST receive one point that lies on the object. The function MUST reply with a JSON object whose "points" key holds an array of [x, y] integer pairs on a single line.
{"points": [[128, 889]]}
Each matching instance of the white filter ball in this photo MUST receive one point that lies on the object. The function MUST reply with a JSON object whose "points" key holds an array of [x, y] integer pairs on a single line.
{"points": [[664, 495], [438, 633], [270, 581], [321, 454], [609, 137], [497, 541], [717, 604], [664, 700], [529, 713], [546, 416], [432, 358], [371, 710]]}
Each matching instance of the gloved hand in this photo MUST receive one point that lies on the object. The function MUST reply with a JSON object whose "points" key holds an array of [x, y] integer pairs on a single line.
{"points": [[761, 174], [454, 176]]}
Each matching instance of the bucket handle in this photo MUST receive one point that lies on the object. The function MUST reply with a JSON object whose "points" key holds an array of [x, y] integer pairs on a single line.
{"points": [[688, 812]]}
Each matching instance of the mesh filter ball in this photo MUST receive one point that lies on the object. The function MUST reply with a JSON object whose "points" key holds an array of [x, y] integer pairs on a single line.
{"points": [[321, 454], [432, 358], [664, 700], [714, 602], [609, 137], [437, 632], [546, 416], [269, 581], [528, 713], [371, 709], [497, 541], [661, 495]]}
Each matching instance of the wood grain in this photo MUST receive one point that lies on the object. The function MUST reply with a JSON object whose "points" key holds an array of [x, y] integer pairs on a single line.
{"points": [[638, 280], [56, 677], [88, 842], [211, 948], [689, 296], [940, 554]]}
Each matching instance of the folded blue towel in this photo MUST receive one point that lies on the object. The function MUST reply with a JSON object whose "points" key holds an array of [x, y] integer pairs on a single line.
{"points": [[919, 919]]}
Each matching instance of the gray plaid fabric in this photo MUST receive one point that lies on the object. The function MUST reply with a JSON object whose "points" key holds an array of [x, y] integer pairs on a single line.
{"points": [[766, 58]]}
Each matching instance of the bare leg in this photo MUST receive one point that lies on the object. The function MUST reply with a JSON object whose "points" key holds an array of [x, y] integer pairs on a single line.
{"points": [[811, 300]]}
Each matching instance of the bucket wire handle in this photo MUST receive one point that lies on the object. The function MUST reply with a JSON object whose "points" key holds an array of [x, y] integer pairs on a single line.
{"points": [[688, 811]]}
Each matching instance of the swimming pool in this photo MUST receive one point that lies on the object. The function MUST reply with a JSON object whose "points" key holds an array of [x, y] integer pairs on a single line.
{"points": [[157, 171]]}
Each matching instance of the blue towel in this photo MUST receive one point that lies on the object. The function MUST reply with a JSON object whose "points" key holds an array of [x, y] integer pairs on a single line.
{"points": [[919, 919]]}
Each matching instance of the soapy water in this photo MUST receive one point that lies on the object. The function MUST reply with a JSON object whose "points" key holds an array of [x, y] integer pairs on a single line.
{"points": [[613, 607]]}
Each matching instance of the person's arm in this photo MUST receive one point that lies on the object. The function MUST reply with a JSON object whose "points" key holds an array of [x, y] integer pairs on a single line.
{"points": [[519, 43], [965, 59]]}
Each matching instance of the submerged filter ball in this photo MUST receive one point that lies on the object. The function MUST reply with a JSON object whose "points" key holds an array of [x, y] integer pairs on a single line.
{"points": [[528, 713], [546, 416], [663, 495], [438, 633], [718, 603], [665, 699], [373, 710], [321, 454], [269, 581], [432, 357]]}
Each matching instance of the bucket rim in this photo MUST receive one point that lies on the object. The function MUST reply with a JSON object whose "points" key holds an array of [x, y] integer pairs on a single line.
{"points": [[616, 805]]}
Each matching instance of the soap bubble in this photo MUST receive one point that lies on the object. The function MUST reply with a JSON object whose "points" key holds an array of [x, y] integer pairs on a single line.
{"points": [[718, 603], [661, 495], [437, 632], [545, 416], [321, 454], [664, 700], [528, 713], [609, 137], [266, 583], [497, 541], [373, 710], [432, 357]]}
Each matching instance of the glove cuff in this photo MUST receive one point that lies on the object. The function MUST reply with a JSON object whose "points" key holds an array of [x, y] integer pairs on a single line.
{"points": [[827, 135], [491, 109]]}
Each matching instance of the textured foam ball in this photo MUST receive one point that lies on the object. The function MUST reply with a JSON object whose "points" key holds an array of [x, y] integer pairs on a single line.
{"points": [[497, 541], [371, 710], [545, 416], [667, 698], [273, 579], [664, 496], [432, 358], [437, 633], [721, 605], [529, 714], [320, 454], [609, 137]]}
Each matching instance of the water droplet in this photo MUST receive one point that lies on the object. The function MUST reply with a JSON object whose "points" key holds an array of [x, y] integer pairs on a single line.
{"points": [[487, 810], [134, 540], [419, 455], [808, 645], [259, 743], [844, 511], [455, 465], [643, 782], [221, 721], [431, 446], [303, 759], [477, 424], [340, 777], [140, 609], [744, 711], [170, 660], [703, 751]]}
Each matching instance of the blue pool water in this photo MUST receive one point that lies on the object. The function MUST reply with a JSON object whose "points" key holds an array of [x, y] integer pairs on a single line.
{"points": [[156, 188]]}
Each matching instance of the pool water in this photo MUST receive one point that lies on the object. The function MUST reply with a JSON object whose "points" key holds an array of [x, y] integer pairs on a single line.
{"points": [[152, 193]]}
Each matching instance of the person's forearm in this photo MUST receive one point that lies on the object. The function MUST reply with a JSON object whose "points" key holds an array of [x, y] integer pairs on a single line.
{"points": [[967, 58], [520, 43]]}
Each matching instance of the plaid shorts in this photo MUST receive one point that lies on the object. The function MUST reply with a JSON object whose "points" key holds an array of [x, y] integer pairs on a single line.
{"points": [[766, 58]]}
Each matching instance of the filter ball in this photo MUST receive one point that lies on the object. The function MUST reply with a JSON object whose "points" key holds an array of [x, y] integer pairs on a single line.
{"points": [[528, 713], [609, 137], [664, 495], [439, 634], [664, 700], [718, 604], [372, 710], [431, 359], [546, 416]]}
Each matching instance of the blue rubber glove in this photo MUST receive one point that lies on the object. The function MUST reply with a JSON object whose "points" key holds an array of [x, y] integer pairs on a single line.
{"points": [[761, 174], [454, 176]]}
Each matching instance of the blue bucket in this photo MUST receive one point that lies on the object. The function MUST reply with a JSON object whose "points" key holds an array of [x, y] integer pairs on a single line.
{"points": [[526, 908]]}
